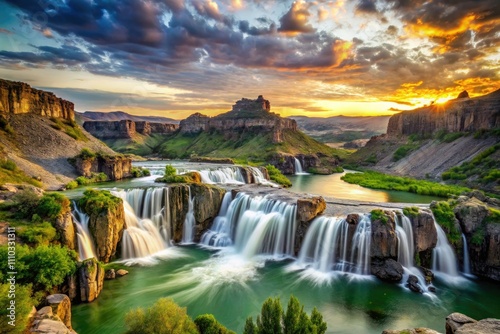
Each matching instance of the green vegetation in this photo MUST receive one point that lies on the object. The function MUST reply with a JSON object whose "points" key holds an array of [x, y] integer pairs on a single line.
{"points": [[493, 216], [445, 217], [27, 204], [94, 178], [272, 319], [69, 127], [164, 317], [372, 159], [411, 211], [380, 215], [39, 234], [403, 151], [477, 238], [10, 173], [482, 165], [86, 154], [445, 136], [43, 266], [72, 185], [172, 177], [5, 126], [276, 176], [378, 180], [139, 172], [207, 324], [98, 201], [23, 306]]}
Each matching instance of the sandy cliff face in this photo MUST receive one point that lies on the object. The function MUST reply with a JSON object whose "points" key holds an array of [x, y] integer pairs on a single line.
{"points": [[458, 115], [20, 98], [126, 129]]}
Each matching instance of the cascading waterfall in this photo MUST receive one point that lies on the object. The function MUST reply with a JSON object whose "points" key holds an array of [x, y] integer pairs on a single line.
{"points": [[189, 222], [254, 226], [443, 257], [327, 246], [466, 267], [226, 175], [148, 228], [298, 168], [86, 248]]}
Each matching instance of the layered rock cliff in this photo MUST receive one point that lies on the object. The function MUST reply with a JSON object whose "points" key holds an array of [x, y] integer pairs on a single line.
{"points": [[20, 98], [127, 129], [246, 114], [462, 114]]}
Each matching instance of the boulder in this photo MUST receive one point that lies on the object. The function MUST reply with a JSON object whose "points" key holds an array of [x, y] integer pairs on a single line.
{"points": [[387, 270], [110, 274], [471, 214], [61, 307], [121, 272], [90, 279], [485, 326], [413, 285], [309, 208], [419, 330], [457, 320]]}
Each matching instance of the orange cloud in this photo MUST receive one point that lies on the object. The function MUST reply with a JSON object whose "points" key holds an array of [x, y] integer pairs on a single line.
{"points": [[342, 50]]}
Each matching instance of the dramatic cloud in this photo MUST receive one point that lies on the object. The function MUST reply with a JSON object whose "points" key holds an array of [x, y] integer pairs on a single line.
{"points": [[296, 20]]}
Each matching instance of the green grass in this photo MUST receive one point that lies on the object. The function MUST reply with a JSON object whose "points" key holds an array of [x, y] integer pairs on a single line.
{"points": [[403, 151], [376, 180], [444, 215], [98, 201], [411, 211], [9, 173], [378, 214], [69, 127]]}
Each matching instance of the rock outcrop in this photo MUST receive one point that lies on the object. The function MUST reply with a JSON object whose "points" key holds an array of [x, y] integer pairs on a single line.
{"points": [[179, 205], [127, 129], [20, 98], [309, 162], [115, 167], [246, 114], [425, 236], [207, 200], [458, 115], [387, 270], [53, 318], [65, 228], [457, 323], [90, 280], [309, 208]]}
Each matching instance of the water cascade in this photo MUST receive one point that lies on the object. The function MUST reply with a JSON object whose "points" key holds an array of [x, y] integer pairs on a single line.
{"points": [[189, 222], [254, 226], [86, 248], [329, 247], [298, 168], [226, 175], [443, 257], [466, 268], [148, 228]]}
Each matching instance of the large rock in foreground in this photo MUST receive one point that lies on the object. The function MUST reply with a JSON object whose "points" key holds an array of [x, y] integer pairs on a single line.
{"points": [[90, 280], [457, 323], [54, 318]]}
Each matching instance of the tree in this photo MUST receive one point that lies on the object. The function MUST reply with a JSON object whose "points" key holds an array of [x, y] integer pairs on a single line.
{"points": [[295, 320], [164, 317], [207, 324]]}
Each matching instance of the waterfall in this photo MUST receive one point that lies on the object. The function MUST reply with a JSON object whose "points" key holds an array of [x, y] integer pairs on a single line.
{"points": [[148, 228], [327, 246], [189, 222], [86, 248], [226, 175], [254, 226], [443, 257], [406, 249], [298, 168], [466, 268]]}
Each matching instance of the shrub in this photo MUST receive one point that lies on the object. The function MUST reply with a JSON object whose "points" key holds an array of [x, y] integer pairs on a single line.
{"points": [[170, 170], [24, 304], [445, 217], [478, 237], [493, 216], [38, 234], [372, 159], [272, 319], [97, 201], [139, 172], [8, 165], [411, 211], [86, 154], [380, 215], [44, 266], [51, 205], [402, 152], [25, 202], [276, 176], [72, 185], [164, 317], [207, 324], [451, 137]]}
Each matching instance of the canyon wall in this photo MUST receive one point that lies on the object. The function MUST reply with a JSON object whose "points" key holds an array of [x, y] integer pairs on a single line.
{"points": [[127, 129], [115, 167], [246, 114], [463, 114], [20, 98]]}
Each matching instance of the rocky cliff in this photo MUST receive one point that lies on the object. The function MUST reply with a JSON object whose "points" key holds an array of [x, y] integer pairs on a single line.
{"points": [[462, 114], [127, 129], [20, 98], [115, 167], [246, 114]]}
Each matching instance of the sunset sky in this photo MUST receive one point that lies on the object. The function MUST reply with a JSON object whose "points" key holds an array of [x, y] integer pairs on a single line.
{"points": [[314, 58]]}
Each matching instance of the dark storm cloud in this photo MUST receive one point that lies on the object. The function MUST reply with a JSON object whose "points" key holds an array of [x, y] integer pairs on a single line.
{"points": [[245, 27], [366, 6], [296, 19], [67, 55]]}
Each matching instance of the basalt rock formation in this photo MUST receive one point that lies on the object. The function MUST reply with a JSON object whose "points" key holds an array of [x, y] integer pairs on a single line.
{"points": [[127, 129], [246, 114], [90, 280], [463, 114], [53, 318], [116, 167], [20, 98], [425, 236]]}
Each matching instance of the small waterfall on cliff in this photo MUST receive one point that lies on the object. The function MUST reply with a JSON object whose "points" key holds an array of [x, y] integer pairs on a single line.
{"points": [[466, 267], [86, 248], [219, 235], [298, 168], [328, 246], [148, 229], [443, 257], [254, 226], [189, 222], [226, 175]]}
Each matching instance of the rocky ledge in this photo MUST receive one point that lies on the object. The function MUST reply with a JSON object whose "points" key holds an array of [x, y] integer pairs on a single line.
{"points": [[127, 129]]}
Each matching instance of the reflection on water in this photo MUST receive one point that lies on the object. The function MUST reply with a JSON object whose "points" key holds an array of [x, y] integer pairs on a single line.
{"points": [[333, 186]]}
